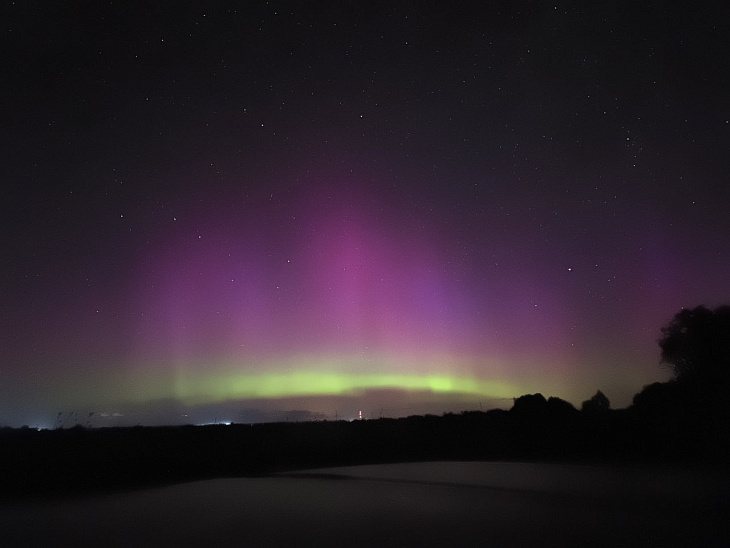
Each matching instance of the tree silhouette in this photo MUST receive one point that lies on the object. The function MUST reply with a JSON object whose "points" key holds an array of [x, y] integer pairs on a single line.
{"points": [[597, 404], [530, 404], [559, 407], [696, 345]]}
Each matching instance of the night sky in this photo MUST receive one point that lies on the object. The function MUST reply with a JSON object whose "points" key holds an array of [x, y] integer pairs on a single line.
{"points": [[243, 208]]}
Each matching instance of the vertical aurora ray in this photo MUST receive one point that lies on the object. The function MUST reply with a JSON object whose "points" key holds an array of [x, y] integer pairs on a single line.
{"points": [[342, 284]]}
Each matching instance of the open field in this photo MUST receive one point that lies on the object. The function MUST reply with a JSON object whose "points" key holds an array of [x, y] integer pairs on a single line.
{"points": [[427, 504]]}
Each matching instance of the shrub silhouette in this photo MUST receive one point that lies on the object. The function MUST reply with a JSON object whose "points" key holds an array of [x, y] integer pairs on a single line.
{"points": [[530, 404], [659, 396], [559, 407], [597, 404]]}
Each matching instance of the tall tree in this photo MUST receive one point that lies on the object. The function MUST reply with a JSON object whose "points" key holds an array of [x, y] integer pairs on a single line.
{"points": [[696, 345]]}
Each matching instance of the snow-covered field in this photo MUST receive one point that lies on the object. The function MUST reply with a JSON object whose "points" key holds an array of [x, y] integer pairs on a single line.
{"points": [[416, 504]]}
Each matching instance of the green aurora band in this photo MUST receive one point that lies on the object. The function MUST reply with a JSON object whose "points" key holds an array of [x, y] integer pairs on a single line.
{"points": [[197, 389], [191, 387]]}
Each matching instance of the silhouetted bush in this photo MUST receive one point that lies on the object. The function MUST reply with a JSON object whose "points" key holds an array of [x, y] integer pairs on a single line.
{"points": [[597, 404], [658, 396], [560, 408], [530, 404]]}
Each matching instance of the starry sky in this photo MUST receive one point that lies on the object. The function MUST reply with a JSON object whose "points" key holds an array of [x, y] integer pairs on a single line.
{"points": [[333, 207]]}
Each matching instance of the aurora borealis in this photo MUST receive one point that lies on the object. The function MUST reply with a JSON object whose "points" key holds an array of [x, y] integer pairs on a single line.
{"points": [[287, 205]]}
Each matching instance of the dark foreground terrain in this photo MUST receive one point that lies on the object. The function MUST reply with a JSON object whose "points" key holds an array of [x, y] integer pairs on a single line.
{"points": [[541, 474], [78, 460], [407, 504]]}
